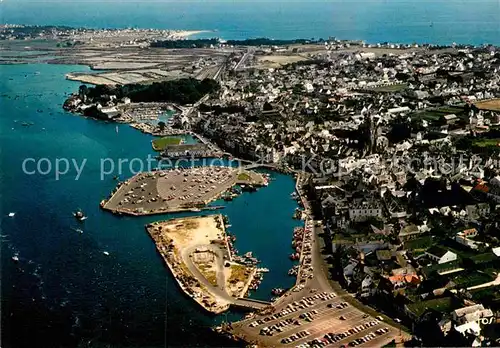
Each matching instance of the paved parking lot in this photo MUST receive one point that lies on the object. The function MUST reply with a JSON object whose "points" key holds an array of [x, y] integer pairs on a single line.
{"points": [[313, 318]]}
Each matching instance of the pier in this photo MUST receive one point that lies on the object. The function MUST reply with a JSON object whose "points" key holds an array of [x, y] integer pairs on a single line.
{"points": [[250, 303], [197, 252]]}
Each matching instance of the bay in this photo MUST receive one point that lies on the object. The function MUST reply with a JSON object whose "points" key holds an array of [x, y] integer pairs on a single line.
{"points": [[65, 291]]}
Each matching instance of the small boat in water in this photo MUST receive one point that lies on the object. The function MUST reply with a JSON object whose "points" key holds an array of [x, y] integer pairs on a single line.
{"points": [[15, 258], [105, 253], [79, 215], [12, 214], [195, 209]]}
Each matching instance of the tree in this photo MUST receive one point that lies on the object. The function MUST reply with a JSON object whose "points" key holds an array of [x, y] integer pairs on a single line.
{"points": [[83, 91], [161, 126]]}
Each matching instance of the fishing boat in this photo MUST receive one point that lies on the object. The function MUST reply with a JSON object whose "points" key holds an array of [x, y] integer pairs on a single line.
{"points": [[79, 215], [297, 214], [277, 291], [227, 196]]}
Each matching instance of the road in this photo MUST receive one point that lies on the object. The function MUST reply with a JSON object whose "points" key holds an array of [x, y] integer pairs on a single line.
{"points": [[250, 51], [217, 291]]}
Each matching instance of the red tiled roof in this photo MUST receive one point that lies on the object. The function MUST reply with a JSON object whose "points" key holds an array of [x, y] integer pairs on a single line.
{"points": [[481, 187]]}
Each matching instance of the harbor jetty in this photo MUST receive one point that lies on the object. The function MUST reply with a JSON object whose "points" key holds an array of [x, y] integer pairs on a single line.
{"points": [[177, 190], [197, 252]]}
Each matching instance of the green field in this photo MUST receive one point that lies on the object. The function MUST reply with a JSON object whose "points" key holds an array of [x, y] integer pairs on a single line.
{"points": [[244, 177], [443, 305], [487, 142], [419, 243], [469, 279], [161, 143], [435, 115], [391, 88]]}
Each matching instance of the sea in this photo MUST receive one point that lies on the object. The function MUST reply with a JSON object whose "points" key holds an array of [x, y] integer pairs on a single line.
{"points": [[65, 291], [405, 21]]}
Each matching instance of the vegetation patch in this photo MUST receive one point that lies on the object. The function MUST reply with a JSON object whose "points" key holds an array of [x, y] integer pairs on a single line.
{"points": [[244, 177], [470, 279], [390, 88], [436, 115], [238, 273], [443, 305], [487, 142], [208, 273], [421, 243], [161, 143], [181, 91]]}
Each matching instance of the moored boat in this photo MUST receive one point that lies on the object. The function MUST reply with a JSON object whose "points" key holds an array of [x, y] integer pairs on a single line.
{"points": [[277, 291]]}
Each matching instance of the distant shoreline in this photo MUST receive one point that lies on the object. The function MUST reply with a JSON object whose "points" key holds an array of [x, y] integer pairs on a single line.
{"points": [[183, 34]]}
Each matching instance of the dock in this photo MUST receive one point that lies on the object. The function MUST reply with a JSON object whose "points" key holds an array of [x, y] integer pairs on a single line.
{"points": [[250, 304]]}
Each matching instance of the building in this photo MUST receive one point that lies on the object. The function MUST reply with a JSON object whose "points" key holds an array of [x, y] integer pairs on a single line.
{"points": [[450, 119], [477, 211], [470, 314], [464, 238], [364, 210], [367, 287], [440, 255]]}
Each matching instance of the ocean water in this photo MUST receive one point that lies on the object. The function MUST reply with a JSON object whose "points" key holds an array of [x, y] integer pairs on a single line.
{"points": [[422, 21], [65, 292]]}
